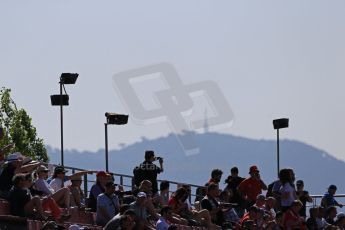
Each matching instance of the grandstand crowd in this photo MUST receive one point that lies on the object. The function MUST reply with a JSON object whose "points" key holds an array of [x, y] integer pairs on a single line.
{"points": [[31, 193]]}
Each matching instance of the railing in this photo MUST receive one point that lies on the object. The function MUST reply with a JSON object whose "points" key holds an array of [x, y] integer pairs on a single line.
{"points": [[126, 182]]}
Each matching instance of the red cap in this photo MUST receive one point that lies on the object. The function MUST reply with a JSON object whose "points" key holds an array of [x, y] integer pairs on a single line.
{"points": [[253, 169], [101, 173]]}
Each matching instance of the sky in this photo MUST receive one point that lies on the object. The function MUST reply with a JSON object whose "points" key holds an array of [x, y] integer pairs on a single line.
{"points": [[269, 58]]}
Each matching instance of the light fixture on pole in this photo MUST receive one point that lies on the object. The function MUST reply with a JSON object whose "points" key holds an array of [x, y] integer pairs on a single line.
{"points": [[112, 119], [279, 124], [63, 100]]}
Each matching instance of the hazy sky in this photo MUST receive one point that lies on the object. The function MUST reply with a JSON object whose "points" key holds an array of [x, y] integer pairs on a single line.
{"points": [[271, 59]]}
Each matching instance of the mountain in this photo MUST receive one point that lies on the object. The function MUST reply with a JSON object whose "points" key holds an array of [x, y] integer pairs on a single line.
{"points": [[317, 168]]}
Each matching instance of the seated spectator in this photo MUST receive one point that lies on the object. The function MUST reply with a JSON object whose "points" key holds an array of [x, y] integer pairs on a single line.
{"points": [[330, 214], [292, 219], [321, 222], [164, 193], [328, 199], [21, 202], [96, 189], [146, 187], [59, 177], [230, 214], [77, 194], [61, 196], [340, 221], [260, 201], [126, 223], [48, 203], [107, 204], [140, 209], [216, 176], [165, 219], [269, 207], [252, 216], [303, 196], [287, 190], [210, 203], [252, 186], [13, 165], [312, 219], [115, 222]]}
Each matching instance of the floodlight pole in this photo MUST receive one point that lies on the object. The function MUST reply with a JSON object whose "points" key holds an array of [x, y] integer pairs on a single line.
{"points": [[106, 147], [61, 121], [278, 163]]}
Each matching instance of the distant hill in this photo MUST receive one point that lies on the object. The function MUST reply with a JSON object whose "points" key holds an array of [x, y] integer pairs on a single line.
{"points": [[317, 168]]}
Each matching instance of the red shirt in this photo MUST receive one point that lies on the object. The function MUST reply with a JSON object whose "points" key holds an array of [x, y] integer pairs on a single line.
{"points": [[250, 188], [292, 220]]}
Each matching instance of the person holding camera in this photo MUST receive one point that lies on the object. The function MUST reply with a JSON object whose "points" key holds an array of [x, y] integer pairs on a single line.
{"points": [[251, 187], [148, 170]]}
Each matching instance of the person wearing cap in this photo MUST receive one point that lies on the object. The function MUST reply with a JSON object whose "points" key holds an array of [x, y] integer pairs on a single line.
{"points": [[77, 195], [107, 204], [252, 186], [96, 189], [59, 177], [148, 171], [140, 209], [61, 196], [13, 165], [303, 196], [328, 198]]}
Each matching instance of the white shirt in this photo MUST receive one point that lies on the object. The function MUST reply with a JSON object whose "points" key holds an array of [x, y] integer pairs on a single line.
{"points": [[42, 185], [162, 224], [56, 184], [287, 188]]}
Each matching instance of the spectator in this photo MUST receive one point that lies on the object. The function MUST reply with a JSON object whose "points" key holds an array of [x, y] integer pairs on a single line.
{"points": [[96, 189], [252, 186], [115, 222], [59, 177], [165, 219], [303, 196], [292, 219], [312, 220], [251, 216], [331, 213], [216, 176], [139, 207], [233, 181], [269, 207], [126, 223], [13, 165], [61, 196], [340, 221], [148, 171], [146, 187], [21, 202], [321, 222], [164, 193], [287, 190], [328, 199], [279, 220], [107, 204], [48, 203], [260, 201], [230, 214], [210, 203], [77, 194]]}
